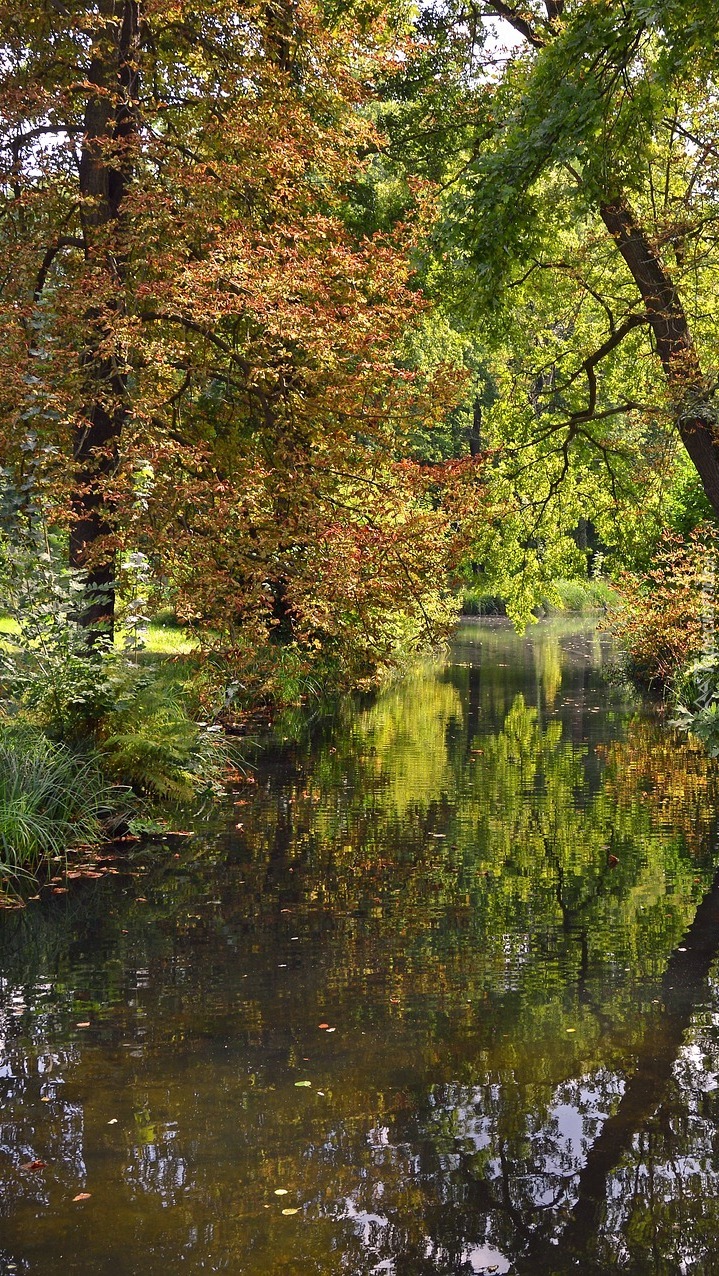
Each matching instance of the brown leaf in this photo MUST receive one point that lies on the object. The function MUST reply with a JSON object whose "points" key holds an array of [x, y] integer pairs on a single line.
{"points": [[82, 1196]]}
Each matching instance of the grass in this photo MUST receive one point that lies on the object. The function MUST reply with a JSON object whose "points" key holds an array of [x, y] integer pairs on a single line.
{"points": [[475, 603], [580, 597], [161, 638], [50, 799]]}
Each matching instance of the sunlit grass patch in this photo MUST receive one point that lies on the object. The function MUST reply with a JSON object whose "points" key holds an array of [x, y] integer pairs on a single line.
{"points": [[161, 640], [8, 627]]}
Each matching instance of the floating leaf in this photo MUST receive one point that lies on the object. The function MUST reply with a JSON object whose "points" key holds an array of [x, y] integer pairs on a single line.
{"points": [[295, 1211], [82, 1196], [85, 1024], [323, 1025], [34, 1166], [281, 1191], [112, 1121], [303, 1083]]}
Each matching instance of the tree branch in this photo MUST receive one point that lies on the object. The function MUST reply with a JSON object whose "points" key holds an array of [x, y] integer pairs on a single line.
{"points": [[65, 241], [515, 19]]}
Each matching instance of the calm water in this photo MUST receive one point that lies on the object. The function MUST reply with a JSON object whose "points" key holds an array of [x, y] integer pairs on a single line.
{"points": [[495, 888]]}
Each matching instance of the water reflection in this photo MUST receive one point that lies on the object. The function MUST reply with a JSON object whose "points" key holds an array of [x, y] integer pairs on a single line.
{"points": [[495, 887]]}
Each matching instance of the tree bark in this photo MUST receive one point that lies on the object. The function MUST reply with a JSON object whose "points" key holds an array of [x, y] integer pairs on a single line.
{"points": [[105, 171], [696, 416]]}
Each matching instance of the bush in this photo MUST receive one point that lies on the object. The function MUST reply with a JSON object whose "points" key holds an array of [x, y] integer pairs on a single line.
{"points": [[662, 612], [50, 799]]}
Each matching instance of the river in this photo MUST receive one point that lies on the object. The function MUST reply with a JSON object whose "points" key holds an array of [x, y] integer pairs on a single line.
{"points": [[435, 994]]}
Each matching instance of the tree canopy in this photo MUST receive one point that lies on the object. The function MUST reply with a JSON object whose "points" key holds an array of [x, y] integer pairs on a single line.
{"points": [[319, 309]]}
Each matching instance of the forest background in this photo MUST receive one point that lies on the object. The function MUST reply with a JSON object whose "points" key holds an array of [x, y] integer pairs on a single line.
{"points": [[317, 319]]}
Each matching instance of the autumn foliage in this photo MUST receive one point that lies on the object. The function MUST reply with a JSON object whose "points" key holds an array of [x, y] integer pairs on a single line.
{"points": [[667, 611], [202, 356]]}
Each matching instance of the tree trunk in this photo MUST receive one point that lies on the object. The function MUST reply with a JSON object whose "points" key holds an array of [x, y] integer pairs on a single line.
{"points": [[105, 170], [474, 433], [696, 417]]}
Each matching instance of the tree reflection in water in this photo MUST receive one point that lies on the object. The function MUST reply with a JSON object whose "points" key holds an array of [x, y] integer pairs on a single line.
{"points": [[497, 884]]}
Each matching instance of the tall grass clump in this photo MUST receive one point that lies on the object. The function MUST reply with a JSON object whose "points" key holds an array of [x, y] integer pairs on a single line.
{"points": [[50, 799]]}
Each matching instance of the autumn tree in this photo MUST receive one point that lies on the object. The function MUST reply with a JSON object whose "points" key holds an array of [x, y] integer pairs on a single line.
{"points": [[199, 345]]}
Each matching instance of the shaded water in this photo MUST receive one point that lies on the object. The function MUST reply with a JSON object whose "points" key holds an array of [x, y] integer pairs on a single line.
{"points": [[495, 887]]}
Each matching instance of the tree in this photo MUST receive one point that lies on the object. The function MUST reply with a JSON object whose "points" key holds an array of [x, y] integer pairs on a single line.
{"points": [[205, 347], [600, 118]]}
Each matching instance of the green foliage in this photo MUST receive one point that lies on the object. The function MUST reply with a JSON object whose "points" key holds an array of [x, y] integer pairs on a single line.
{"points": [[696, 692], [150, 741], [50, 799], [136, 723], [686, 505], [46, 668]]}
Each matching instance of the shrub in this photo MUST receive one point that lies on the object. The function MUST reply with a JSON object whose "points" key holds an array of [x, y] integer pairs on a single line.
{"points": [[663, 612]]}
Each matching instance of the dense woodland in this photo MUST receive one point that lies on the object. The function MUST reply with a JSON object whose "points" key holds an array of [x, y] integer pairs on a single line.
{"points": [[317, 319]]}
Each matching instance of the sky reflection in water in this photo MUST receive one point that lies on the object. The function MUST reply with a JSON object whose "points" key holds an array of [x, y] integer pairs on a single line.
{"points": [[495, 885]]}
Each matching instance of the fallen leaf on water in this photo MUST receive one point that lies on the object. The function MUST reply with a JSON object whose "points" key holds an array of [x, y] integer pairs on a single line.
{"points": [[112, 1121], [296, 1211], [331, 1029], [323, 1025], [85, 1024], [45, 1098], [34, 1166], [303, 1083], [571, 1029], [280, 1191], [82, 1196]]}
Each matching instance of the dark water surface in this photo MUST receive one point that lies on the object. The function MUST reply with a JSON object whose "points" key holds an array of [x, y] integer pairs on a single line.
{"points": [[495, 887]]}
